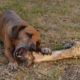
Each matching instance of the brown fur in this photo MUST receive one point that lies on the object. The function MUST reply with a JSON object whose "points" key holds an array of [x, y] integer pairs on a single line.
{"points": [[15, 32]]}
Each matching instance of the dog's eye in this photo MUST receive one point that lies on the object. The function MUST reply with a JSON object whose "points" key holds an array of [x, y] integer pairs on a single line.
{"points": [[29, 35]]}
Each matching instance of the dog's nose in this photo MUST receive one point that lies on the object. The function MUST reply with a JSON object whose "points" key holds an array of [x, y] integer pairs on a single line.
{"points": [[32, 47]]}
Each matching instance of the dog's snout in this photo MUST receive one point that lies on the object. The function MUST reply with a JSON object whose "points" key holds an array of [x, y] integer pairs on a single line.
{"points": [[20, 49], [32, 47]]}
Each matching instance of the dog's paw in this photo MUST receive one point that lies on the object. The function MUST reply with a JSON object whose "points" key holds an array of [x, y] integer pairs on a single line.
{"points": [[46, 51], [12, 66]]}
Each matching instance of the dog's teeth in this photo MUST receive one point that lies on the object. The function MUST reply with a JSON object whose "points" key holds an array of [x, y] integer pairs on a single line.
{"points": [[19, 56]]}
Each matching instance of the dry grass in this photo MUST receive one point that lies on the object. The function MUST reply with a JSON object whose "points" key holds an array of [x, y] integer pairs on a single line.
{"points": [[58, 21]]}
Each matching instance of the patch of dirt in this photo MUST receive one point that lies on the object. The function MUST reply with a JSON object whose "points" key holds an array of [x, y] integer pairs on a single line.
{"points": [[36, 72], [71, 72], [60, 70]]}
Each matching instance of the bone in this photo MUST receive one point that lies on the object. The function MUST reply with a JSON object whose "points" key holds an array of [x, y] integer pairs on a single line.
{"points": [[72, 52]]}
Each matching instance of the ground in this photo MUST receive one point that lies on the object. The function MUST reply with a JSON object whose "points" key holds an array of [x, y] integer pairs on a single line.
{"points": [[58, 22]]}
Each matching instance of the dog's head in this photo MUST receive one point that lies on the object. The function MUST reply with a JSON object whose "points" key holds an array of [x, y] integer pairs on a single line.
{"points": [[27, 39]]}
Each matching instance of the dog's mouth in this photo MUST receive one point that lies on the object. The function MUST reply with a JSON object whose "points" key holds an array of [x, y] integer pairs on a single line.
{"points": [[20, 53]]}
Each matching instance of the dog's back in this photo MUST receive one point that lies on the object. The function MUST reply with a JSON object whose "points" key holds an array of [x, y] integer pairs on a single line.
{"points": [[9, 19]]}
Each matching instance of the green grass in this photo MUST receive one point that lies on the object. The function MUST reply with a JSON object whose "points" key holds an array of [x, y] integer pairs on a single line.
{"points": [[57, 20]]}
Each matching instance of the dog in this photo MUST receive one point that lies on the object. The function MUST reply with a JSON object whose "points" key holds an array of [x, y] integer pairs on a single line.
{"points": [[20, 39]]}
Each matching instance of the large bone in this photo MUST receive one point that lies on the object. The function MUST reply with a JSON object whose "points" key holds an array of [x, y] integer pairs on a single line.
{"points": [[72, 52]]}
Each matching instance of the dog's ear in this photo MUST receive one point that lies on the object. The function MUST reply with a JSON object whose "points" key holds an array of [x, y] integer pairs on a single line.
{"points": [[15, 31]]}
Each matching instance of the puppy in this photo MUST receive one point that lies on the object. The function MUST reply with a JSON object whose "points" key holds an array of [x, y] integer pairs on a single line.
{"points": [[19, 38]]}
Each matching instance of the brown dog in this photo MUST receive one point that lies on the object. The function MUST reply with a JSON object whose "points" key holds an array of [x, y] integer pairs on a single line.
{"points": [[19, 39]]}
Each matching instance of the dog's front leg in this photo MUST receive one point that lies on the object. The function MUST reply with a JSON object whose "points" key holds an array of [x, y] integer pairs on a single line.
{"points": [[12, 62], [46, 51]]}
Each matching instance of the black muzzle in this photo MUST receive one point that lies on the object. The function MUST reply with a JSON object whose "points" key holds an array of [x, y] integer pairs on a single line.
{"points": [[20, 50]]}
